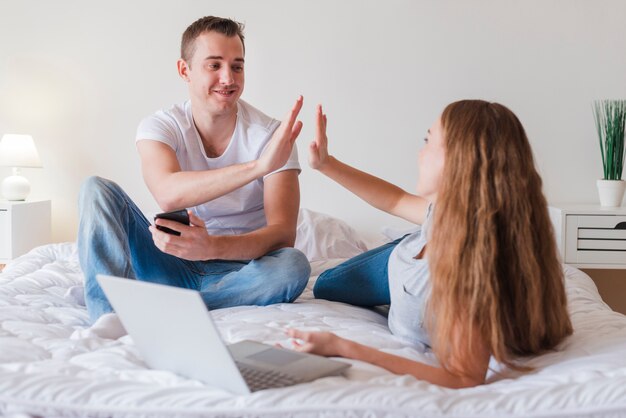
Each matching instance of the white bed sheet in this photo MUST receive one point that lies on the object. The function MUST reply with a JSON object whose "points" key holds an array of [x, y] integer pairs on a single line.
{"points": [[49, 366]]}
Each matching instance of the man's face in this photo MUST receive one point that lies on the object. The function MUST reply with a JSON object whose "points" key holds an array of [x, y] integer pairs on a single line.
{"points": [[216, 73]]}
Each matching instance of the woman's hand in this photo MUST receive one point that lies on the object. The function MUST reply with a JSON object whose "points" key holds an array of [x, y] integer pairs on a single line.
{"points": [[279, 147], [318, 150], [321, 343]]}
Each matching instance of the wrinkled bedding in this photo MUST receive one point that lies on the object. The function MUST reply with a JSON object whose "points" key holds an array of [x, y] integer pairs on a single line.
{"points": [[50, 365]]}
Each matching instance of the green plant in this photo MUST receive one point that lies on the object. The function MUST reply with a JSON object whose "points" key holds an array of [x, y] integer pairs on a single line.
{"points": [[610, 116]]}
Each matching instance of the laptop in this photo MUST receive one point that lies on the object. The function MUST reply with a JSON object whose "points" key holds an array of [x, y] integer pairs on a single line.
{"points": [[173, 330]]}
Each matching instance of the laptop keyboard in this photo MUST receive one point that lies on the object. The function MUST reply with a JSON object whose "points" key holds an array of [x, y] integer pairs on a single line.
{"points": [[265, 379]]}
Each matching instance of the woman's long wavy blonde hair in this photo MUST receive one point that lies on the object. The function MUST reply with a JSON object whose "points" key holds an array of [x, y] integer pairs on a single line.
{"points": [[493, 259]]}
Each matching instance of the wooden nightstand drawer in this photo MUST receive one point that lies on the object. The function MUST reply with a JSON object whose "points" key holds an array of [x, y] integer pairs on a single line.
{"points": [[595, 239], [591, 236]]}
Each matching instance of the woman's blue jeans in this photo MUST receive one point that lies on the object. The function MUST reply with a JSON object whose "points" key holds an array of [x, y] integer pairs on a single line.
{"points": [[114, 239], [362, 280]]}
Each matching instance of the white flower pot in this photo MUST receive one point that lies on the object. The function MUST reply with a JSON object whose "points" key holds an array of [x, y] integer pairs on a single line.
{"points": [[611, 192]]}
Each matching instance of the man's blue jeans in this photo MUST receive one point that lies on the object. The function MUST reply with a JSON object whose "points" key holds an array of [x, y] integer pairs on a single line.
{"points": [[114, 239], [362, 280]]}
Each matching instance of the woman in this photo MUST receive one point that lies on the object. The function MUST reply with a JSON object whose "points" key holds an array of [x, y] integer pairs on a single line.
{"points": [[482, 277]]}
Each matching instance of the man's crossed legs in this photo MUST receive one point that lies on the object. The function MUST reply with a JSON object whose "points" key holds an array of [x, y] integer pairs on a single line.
{"points": [[114, 240]]}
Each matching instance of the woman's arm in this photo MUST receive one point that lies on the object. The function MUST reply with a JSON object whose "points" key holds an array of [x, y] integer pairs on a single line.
{"points": [[330, 345], [375, 191]]}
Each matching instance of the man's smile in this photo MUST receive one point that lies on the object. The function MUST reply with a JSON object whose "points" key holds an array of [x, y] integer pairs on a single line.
{"points": [[228, 92]]}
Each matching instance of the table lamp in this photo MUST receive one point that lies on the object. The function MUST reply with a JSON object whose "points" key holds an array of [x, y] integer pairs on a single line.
{"points": [[17, 151]]}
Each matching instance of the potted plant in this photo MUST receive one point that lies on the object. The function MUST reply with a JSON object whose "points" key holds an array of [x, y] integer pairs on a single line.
{"points": [[610, 117]]}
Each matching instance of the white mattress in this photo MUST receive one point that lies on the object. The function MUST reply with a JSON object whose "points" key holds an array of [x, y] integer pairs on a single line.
{"points": [[49, 366]]}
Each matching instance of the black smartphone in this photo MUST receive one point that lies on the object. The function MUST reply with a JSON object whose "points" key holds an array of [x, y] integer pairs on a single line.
{"points": [[177, 215]]}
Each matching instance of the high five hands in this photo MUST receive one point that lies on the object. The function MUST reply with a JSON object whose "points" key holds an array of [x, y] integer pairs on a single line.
{"points": [[279, 147]]}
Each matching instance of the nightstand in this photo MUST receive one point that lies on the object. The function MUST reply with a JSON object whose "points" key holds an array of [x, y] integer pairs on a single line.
{"points": [[24, 225], [590, 236]]}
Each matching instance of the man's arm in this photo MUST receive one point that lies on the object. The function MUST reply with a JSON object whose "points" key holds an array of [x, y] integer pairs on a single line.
{"points": [[281, 200], [175, 189]]}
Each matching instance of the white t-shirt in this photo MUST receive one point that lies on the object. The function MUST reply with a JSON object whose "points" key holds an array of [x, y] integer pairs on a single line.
{"points": [[241, 210]]}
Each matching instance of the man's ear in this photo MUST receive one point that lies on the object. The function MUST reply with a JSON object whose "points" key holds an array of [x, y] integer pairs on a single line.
{"points": [[183, 69]]}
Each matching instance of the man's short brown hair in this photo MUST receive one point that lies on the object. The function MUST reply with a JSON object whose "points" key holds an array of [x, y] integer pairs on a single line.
{"points": [[221, 25]]}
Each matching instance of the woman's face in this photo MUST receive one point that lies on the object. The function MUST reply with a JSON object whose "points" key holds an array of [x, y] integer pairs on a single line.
{"points": [[430, 162]]}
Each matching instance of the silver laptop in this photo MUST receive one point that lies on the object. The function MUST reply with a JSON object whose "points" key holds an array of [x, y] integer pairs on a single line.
{"points": [[173, 330]]}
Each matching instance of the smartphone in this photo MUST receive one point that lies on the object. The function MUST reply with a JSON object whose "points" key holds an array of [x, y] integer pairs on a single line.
{"points": [[177, 215]]}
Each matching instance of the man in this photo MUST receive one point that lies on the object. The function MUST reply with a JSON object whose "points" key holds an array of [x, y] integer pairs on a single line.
{"points": [[234, 167]]}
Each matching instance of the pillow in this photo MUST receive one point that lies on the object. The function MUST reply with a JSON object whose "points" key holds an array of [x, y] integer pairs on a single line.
{"points": [[321, 237]]}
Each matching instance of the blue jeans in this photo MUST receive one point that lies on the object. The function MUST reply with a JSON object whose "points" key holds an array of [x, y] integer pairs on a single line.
{"points": [[114, 239], [361, 280]]}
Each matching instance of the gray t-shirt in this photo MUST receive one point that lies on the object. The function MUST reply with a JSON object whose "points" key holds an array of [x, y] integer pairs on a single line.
{"points": [[409, 287]]}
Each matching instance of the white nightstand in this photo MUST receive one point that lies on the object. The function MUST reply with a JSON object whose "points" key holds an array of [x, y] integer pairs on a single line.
{"points": [[590, 236], [23, 226]]}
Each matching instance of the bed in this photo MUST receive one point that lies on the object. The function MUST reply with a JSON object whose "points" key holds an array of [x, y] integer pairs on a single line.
{"points": [[51, 365]]}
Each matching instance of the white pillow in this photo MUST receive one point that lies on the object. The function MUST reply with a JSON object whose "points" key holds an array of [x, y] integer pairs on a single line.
{"points": [[321, 237]]}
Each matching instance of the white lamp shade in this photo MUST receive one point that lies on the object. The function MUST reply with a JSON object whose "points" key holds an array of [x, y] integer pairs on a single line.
{"points": [[18, 151]]}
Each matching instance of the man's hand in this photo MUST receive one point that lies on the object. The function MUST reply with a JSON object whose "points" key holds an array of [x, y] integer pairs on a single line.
{"points": [[279, 147], [318, 149], [194, 242]]}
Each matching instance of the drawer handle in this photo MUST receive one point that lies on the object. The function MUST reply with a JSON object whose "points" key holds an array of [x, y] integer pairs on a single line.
{"points": [[621, 225]]}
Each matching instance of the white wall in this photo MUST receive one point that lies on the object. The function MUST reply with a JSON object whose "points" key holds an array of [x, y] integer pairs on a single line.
{"points": [[79, 75]]}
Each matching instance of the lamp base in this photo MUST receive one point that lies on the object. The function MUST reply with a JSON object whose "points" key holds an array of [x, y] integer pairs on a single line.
{"points": [[15, 187]]}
